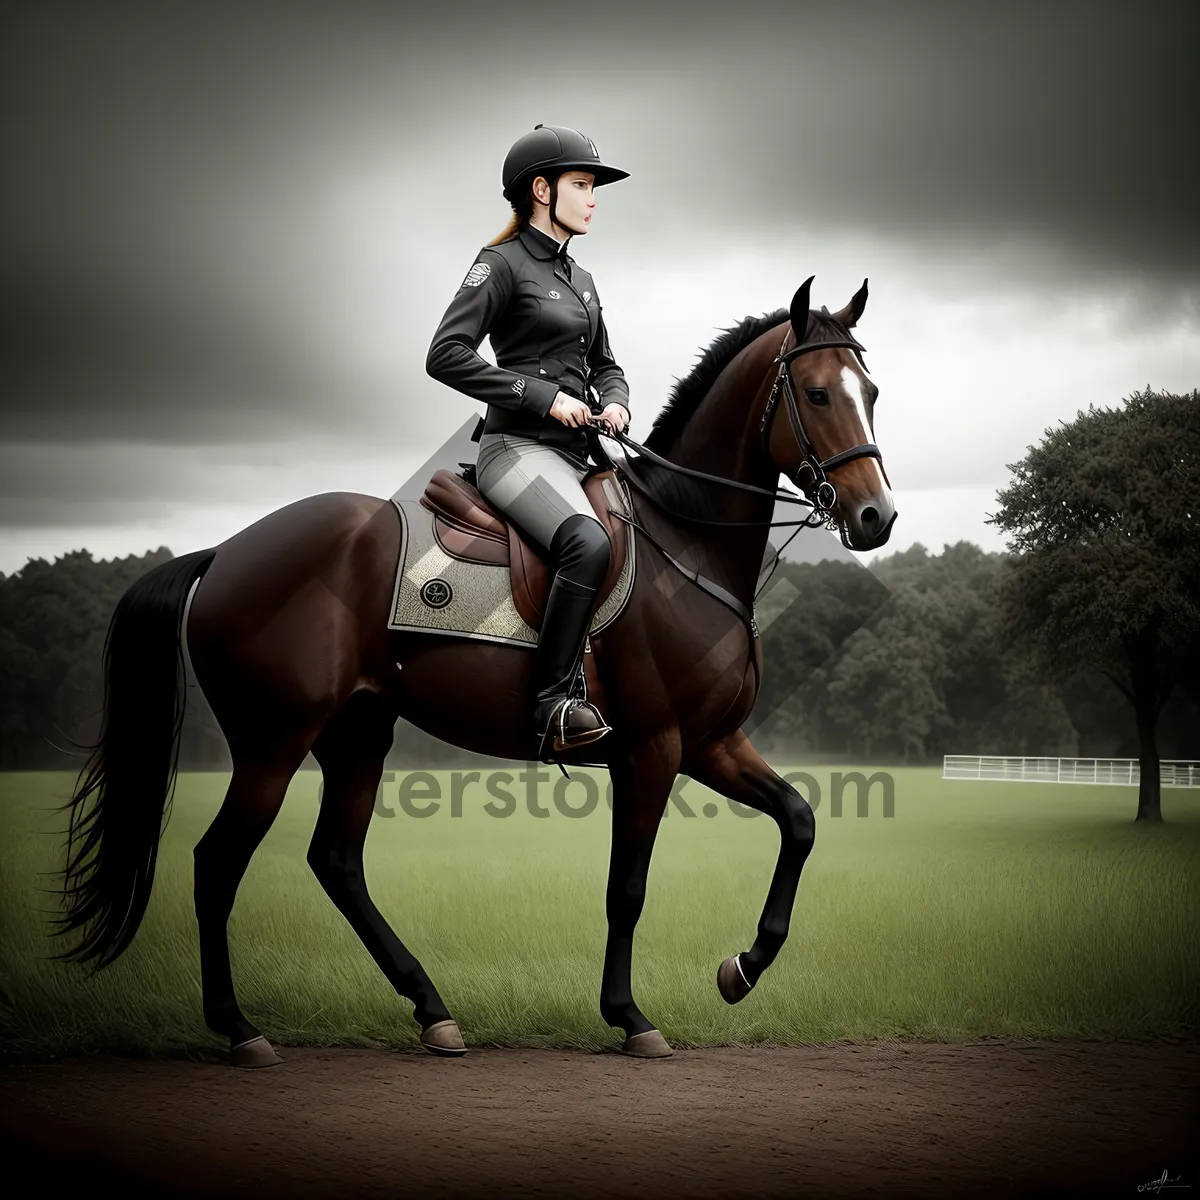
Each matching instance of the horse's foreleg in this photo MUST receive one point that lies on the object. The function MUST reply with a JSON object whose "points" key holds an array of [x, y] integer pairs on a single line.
{"points": [[641, 782], [351, 751], [733, 768]]}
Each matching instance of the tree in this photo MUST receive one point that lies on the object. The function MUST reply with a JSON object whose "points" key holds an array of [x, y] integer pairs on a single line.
{"points": [[1104, 518], [808, 616]]}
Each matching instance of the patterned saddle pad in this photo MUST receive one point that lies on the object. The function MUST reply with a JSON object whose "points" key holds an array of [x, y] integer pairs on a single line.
{"points": [[455, 576]]}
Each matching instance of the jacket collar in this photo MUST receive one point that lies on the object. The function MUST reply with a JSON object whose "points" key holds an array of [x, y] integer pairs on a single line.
{"points": [[542, 245]]}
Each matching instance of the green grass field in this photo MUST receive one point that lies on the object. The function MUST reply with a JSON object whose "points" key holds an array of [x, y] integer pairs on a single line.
{"points": [[976, 909]]}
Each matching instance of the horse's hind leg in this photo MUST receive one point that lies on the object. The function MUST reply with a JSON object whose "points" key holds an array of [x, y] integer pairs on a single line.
{"points": [[222, 855], [351, 750]]}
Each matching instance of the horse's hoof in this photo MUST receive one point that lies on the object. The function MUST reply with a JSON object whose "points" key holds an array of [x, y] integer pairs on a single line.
{"points": [[650, 1044], [257, 1052], [444, 1037], [731, 983]]}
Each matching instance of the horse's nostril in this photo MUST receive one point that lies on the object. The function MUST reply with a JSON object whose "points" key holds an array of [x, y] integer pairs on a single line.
{"points": [[869, 515]]}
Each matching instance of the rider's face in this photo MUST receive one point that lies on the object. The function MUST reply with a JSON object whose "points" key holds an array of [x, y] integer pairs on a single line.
{"points": [[576, 199]]}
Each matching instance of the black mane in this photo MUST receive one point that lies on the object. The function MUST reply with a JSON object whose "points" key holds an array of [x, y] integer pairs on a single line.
{"points": [[688, 392]]}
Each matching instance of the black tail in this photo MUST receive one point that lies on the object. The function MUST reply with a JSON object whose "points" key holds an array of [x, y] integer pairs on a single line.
{"points": [[132, 767]]}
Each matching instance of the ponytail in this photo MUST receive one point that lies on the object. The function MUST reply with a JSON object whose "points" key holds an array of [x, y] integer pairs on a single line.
{"points": [[522, 213], [509, 231]]}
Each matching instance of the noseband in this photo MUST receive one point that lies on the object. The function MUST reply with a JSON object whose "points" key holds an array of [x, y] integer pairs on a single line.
{"points": [[824, 494]]}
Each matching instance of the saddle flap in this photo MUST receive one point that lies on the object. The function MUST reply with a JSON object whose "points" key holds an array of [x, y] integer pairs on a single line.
{"points": [[469, 545], [451, 497]]}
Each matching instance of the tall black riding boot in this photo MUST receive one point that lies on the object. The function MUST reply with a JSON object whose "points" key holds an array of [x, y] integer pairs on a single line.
{"points": [[562, 716], [560, 712]]}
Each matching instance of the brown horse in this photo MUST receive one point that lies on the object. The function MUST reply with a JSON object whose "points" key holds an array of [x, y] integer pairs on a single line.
{"points": [[287, 634]]}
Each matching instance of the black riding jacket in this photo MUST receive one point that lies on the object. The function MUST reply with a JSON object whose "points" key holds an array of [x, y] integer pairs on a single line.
{"points": [[547, 329]]}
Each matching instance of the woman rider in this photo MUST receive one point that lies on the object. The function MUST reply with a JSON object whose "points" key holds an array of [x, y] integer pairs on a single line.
{"points": [[547, 331]]}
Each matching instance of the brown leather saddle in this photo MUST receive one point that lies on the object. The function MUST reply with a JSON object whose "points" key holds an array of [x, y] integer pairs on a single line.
{"points": [[468, 528]]}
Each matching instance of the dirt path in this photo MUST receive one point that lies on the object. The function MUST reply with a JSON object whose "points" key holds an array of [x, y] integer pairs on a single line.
{"points": [[1004, 1117]]}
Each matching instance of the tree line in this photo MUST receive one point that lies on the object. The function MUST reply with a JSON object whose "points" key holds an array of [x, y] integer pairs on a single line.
{"points": [[1082, 640], [910, 660]]}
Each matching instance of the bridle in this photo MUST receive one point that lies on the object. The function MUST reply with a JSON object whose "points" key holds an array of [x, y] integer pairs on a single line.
{"points": [[824, 499], [821, 504], [824, 493]]}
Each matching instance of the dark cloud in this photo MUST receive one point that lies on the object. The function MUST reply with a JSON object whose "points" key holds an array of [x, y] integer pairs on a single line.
{"points": [[162, 276], [89, 357], [1070, 125]]}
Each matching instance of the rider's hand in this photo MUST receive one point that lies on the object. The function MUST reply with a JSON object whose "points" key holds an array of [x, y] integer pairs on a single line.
{"points": [[570, 411], [616, 415]]}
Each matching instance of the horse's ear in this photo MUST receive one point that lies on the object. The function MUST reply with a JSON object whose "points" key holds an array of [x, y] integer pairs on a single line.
{"points": [[799, 310], [850, 314]]}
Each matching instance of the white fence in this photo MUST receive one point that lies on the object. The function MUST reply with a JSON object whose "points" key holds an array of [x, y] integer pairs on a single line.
{"points": [[1181, 773]]}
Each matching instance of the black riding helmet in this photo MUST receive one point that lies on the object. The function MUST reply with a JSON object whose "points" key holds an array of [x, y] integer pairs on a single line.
{"points": [[550, 150]]}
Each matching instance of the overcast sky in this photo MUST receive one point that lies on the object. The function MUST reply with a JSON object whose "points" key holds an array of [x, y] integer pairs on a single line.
{"points": [[230, 231]]}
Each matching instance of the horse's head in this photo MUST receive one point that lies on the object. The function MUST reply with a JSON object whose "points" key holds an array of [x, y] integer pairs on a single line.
{"points": [[818, 424]]}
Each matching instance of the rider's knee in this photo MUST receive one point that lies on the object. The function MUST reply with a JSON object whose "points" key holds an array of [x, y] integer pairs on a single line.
{"points": [[581, 550]]}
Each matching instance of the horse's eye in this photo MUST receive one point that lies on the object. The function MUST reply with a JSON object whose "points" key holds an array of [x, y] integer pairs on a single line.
{"points": [[817, 395]]}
